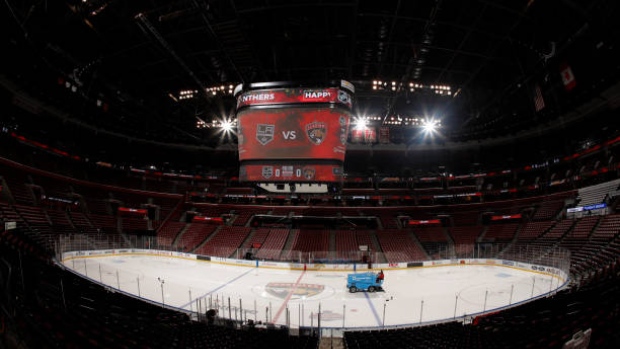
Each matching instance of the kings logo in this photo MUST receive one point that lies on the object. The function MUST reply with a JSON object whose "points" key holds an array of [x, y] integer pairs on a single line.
{"points": [[267, 172], [264, 133], [283, 289], [316, 131]]}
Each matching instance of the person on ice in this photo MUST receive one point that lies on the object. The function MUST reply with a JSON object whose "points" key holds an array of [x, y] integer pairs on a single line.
{"points": [[380, 276]]}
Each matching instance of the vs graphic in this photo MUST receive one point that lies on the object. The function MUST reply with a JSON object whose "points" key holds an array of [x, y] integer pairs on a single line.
{"points": [[289, 135]]}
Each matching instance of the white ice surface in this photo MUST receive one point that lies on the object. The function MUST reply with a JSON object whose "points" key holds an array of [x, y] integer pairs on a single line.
{"points": [[412, 296]]}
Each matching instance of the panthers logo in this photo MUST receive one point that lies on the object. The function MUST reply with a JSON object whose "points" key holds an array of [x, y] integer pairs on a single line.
{"points": [[316, 132], [309, 173], [282, 290]]}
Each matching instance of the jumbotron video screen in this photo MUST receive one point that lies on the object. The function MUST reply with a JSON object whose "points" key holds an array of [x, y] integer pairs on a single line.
{"points": [[293, 134]]}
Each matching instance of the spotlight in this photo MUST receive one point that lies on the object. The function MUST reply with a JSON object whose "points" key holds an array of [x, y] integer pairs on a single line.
{"points": [[227, 126]]}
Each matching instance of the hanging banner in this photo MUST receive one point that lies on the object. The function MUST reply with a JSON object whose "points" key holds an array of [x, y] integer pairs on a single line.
{"points": [[384, 135], [568, 79], [370, 135]]}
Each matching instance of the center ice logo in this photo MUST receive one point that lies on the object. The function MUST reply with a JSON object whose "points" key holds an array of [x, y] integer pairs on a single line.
{"points": [[316, 132], [282, 289]]}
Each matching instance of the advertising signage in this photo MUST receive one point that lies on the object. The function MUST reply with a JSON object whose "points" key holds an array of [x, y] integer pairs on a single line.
{"points": [[294, 96]]}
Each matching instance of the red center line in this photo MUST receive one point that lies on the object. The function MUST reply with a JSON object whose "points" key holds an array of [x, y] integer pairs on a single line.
{"points": [[288, 297]]}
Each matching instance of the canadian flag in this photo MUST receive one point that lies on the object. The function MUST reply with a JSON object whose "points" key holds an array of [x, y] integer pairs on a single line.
{"points": [[567, 77]]}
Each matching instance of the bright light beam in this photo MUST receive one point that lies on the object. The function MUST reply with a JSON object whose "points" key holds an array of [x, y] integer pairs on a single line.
{"points": [[227, 126], [429, 126], [226, 129], [361, 123]]}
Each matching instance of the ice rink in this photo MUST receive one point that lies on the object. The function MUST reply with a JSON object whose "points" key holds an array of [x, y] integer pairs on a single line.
{"points": [[295, 297]]}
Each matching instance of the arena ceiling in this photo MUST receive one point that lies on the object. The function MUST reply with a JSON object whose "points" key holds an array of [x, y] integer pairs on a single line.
{"points": [[492, 55]]}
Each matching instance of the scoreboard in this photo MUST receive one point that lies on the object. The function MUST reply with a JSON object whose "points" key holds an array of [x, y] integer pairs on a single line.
{"points": [[290, 172], [293, 134]]}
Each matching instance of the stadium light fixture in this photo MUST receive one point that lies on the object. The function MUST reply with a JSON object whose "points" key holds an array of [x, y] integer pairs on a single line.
{"points": [[429, 126], [227, 126], [226, 129], [360, 123]]}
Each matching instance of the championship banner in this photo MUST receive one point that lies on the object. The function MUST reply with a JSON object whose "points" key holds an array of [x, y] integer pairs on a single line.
{"points": [[370, 135], [292, 172], [357, 135], [294, 96], [292, 133], [384, 135]]}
